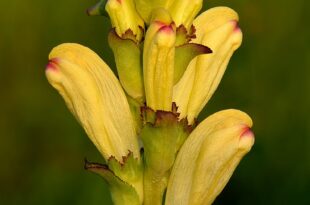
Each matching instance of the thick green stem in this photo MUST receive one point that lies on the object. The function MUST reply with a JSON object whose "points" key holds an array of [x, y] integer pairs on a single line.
{"points": [[162, 136], [154, 187]]}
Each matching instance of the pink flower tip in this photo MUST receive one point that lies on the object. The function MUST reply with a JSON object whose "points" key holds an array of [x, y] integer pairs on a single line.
{"points": [[236, 25], [52, 64], [247, 132], [166, 29]]}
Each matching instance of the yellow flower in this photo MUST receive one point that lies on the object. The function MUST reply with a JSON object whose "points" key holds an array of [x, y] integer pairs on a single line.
{"points": [[158, 61], [95, 97], [216, 28], [208, 158]]}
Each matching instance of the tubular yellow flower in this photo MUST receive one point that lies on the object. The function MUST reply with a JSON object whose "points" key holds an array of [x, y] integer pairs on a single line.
{"points": [[216, 28], [95, 97], [158, 61], [208, 158], [124, 17]]}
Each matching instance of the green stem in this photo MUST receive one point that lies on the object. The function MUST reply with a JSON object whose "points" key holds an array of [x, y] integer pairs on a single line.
{"points": [[162, 136], [154, 187]]}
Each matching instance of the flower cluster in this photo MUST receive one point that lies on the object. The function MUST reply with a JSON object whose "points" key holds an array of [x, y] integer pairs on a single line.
{"points": [[169, 64]]}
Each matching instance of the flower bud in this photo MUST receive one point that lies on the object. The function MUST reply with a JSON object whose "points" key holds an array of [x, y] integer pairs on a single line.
{"points": [[158, 61], [124, 17]]}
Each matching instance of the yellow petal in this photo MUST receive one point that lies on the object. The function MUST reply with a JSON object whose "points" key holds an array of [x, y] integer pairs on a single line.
{"points": [[158, 61], [124, 16], [216, 28], [182, 90], [208, 158], [95, 97], [146, 7], [184, 11], [212, 19]]}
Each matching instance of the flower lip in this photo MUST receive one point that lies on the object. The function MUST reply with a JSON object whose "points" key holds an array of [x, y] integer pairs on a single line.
{"points": [[52, 64], [236, 25], [246, 139], [247, 132]]}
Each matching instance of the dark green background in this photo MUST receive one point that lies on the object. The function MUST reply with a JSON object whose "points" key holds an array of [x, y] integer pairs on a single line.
{"points": [[42, 147]]}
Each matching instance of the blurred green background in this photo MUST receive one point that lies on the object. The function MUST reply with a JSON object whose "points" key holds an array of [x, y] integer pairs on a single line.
{"points": [[42, 147]]}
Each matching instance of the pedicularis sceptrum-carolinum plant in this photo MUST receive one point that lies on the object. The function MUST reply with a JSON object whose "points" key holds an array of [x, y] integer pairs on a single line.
{"points": [[169, 64]]}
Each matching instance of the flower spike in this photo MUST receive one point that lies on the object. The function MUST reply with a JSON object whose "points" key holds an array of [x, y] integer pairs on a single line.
{"points": [[95, 97], [216, 28], [208, 158], [169, 65]]}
